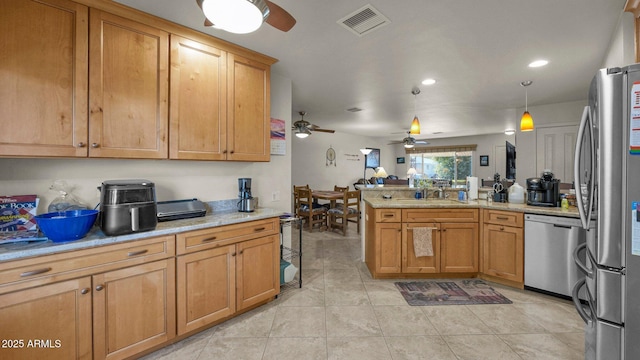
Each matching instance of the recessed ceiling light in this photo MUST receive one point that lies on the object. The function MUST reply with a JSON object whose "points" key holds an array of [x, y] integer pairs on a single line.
{"points": [[538, 63], [509, 132], [428, 81]]}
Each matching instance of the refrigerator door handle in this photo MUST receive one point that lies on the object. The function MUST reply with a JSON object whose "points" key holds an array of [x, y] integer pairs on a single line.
{"points": [[576, 302], [584, 218], [576, 259]]}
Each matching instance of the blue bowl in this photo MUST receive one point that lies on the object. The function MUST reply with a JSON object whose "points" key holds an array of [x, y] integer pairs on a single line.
{"points": [[66, 225]]}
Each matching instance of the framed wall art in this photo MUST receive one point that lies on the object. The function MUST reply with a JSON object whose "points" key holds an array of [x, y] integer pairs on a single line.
{"points": [[484, 160]]}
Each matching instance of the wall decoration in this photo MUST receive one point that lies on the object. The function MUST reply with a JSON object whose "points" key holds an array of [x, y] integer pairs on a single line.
{"points": [[373, 159], [484, 160], [400, 160], [278, 137], [331, 157], [353, 157]]}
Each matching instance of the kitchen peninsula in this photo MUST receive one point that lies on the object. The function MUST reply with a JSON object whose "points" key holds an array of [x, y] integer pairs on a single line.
{"points": [[468, 238]]}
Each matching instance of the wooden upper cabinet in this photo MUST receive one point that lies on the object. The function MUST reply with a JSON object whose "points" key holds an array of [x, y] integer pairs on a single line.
{"points": [[198, 118], [248, 111], [633, 6], [128, 88], [43, 78]]}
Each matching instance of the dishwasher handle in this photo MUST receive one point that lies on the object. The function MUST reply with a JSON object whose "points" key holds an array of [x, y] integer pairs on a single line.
{"points": [[576, 259]]}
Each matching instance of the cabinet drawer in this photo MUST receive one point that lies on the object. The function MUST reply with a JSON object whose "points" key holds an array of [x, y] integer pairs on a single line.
{"points": [[223, 235], [56, 267], [440, 215], [388, 215], [508, 218]]}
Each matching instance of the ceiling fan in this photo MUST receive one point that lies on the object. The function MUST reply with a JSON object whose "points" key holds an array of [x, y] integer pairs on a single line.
{"points": [[409, 141], [303, 128], [244, 16]]}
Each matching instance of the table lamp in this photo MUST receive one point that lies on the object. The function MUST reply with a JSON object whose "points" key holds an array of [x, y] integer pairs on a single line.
{"points": [[380, 173], [411, 172]]}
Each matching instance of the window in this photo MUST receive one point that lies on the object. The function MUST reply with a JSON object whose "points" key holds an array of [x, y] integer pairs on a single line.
{"points": [[444, 165]]}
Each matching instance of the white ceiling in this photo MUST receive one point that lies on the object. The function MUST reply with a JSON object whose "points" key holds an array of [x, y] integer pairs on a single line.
{"points": [[477, 50]]}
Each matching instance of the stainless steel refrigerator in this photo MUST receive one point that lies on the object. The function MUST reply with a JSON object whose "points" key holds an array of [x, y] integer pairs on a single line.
{"points": [[607, 181]]}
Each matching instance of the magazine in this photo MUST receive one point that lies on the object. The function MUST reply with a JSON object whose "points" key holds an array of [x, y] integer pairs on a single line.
{"points": [[7, 237], [17, 213]]}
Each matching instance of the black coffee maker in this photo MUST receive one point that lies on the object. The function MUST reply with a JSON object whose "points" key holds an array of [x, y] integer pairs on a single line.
{"points": [[246, 202], [543, 191]]}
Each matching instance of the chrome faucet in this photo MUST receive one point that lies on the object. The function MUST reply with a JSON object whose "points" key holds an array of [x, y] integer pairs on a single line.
{"points": [[440, 193]]}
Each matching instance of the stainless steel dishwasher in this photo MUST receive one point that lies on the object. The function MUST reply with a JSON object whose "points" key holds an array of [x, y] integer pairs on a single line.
{"points": [[549, 242]]}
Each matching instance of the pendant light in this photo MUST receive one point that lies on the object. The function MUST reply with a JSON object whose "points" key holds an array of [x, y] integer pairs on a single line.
{"points": [[526, 122], [415, 124]]}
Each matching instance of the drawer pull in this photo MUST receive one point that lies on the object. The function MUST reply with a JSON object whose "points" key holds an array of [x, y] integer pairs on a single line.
{"points": [[502, 218], [259, 229], [85, 291], [99, 287], [388, 215], [139, 252], [35, 272], [209, 239], [501, 228]]}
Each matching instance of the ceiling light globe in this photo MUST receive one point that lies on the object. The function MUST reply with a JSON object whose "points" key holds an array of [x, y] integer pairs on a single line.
{"points": [[428, 81], [365, 151], [236, 16], [526, 122], [415, 126], [301, 135]]}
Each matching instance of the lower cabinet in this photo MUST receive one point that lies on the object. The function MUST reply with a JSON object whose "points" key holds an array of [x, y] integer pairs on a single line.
{"points": [[389, 248], [503, 246], [225, 270], [47, 322], [133, 309]]}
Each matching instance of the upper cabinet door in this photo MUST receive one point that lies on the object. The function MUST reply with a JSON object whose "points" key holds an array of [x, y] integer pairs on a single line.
{"points": [[128, 88], [198, 119], [248, 133], [43, 78]]}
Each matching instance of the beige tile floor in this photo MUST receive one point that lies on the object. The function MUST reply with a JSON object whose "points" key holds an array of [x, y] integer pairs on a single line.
{"points": [[342, 313]]}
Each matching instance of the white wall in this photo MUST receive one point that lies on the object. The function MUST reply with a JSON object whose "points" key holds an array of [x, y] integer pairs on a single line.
{"points": [[309, 159], [621, 51], [174, 179]]}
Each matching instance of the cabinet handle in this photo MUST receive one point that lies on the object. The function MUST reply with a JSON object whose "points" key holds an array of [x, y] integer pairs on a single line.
{"points": [[224, 151], [35, 272], [501, 228], [99, 287], [241, 251], [233, 254], [209, 239], [259, 229], [95, 145], [85, 291], [502, 218], [388, 215], [443, 230], [231, 152], [81, 144], [139, 252]]}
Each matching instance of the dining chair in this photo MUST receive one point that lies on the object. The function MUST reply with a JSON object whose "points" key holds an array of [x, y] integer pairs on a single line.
{"points": [[296, 201], [311, 214], [346, 211], [340, 188]]}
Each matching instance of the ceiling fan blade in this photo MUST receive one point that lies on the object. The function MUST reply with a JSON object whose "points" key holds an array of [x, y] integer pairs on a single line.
{"points": [[395, 142], [279, 18], [323, 130]]}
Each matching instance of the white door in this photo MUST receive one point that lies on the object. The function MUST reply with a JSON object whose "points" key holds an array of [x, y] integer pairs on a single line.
{"points": [[555, 147]]}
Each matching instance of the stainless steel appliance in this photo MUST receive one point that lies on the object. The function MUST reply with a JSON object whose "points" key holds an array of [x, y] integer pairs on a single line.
{"points": [[246, 202], [607, 173], [180, 209], [127, 206], [548, 249]]}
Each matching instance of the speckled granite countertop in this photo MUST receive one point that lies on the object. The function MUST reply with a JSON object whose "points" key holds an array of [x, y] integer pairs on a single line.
{"points": [[481, 204], [220, 213]]}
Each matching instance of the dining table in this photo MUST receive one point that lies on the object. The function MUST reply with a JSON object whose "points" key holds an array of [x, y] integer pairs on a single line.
{"points": [[329, 195]]}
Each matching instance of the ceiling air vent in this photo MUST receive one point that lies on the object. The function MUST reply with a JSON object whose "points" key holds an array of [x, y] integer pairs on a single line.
{"points": [[364, 20]]}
